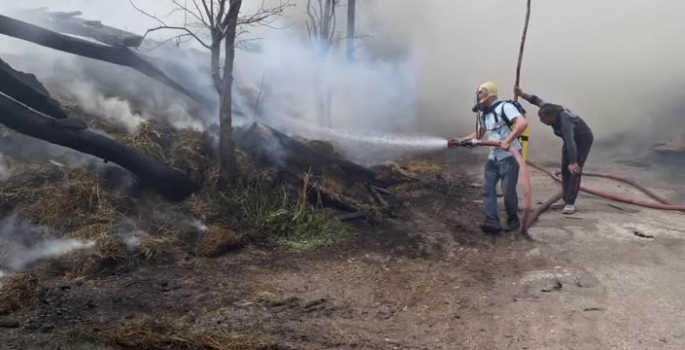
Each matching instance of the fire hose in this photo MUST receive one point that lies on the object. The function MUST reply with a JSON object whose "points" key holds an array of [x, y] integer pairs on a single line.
{"points": [[661, 204], [529, 219], [527, 188]]}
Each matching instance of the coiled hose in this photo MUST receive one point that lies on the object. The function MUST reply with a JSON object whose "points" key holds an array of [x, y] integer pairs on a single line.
{"points": [[661, 204]]}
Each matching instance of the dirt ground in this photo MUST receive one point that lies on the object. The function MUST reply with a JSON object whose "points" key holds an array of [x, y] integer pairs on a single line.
{"points": [[610, 277]]}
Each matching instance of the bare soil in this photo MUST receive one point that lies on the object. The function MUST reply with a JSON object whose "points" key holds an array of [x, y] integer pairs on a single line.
{"points": [[424, 280]]}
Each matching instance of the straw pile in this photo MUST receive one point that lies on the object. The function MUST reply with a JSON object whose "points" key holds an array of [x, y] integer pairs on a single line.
{"points": [[19, 291], [186, 150], [78, 198], [216, 241]]}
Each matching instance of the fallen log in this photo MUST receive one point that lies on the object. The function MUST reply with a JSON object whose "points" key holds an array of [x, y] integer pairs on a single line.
{"points": [[67, 22], [116, 55], [27, 89], [170, 183]]}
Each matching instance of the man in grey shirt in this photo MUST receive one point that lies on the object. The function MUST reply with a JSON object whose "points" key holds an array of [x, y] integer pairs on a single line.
{"points": [[577, 138]]}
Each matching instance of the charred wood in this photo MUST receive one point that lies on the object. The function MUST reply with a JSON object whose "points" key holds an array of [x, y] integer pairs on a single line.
{"points": [[28, 90], [67, 22], [270, 147], [116, 55], [170, 183]]}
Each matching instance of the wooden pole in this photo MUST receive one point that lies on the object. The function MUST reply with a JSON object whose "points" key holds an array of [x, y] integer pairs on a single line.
{"points": [[523, 44]]}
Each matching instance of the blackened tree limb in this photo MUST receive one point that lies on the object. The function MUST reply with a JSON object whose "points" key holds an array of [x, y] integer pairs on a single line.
{"points": [[116, 55], [168, 182], [28, 90], [68, 22]]}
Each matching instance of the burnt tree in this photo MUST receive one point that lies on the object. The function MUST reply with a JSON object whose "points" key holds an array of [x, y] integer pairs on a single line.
{"points": [[68, 22], [26, 107], [116, 55], [219, 19]]}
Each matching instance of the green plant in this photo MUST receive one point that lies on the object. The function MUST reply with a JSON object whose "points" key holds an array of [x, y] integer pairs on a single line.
{"points": [[291, 223]]}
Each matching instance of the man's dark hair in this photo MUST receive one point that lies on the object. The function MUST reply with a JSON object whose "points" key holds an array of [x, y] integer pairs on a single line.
{"points": [[549, 110]]}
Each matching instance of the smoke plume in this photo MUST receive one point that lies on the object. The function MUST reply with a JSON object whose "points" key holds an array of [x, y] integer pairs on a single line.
{"points": [[22, 244], [416, 68]]}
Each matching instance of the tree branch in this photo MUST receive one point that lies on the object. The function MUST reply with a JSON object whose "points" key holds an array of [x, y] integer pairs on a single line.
{"points": [[146, 14], [197, 16], [178, 28], [212, 22]]}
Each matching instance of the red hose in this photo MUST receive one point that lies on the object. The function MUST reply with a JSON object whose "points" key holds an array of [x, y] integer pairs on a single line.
{"points": [[619, 198], [527, 188], [645, 190], [529, 219]]}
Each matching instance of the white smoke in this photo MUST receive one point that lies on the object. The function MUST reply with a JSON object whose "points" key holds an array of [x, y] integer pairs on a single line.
{"points": [[423, 60], [18, 260], [22, 244], [113, 108], [288, 79]]}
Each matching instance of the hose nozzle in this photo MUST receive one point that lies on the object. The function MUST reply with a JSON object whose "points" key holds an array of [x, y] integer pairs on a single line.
{"points": [[454, 143]]}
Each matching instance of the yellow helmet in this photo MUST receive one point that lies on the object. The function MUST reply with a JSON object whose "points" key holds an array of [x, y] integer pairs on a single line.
{"points": [[490, 86]]}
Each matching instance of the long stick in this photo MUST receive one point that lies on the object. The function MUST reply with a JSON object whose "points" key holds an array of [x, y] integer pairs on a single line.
{"points": [[523, 44]]}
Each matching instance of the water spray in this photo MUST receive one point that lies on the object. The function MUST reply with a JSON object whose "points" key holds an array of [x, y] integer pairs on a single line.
{"points": [[394, 142]]}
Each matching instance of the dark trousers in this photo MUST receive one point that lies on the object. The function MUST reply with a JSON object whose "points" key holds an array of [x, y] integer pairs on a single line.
{"points": [[506, 170], [571, 182]]}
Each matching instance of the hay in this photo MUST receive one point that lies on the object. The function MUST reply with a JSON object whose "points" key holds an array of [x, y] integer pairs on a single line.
{"points": [[333, 181], [94, 122], [27, 182], [157, 249], [217, 241], [153, 139], [91, 232], [19, 291], [107, 255], [392, 171], [110, 247], [423, 167], [77, 199], [188, 155], [408, 187], [147, 333], [186, 150]]}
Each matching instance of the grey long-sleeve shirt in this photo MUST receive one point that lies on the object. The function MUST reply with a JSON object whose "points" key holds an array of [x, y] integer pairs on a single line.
{"points": [[570, 127]]}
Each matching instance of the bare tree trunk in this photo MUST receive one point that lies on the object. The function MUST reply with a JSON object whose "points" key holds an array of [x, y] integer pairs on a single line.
{"points": [[326, 21], [216, 57], [226, 144], [351, 12]]}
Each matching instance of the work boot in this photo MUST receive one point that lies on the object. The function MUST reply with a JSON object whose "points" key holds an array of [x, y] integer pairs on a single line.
{"points": [[569, 209], [558, 205], [490, 227], [512, 225]]}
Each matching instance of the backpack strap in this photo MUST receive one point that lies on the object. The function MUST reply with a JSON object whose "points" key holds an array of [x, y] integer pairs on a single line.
{"points": [[504, 113]]}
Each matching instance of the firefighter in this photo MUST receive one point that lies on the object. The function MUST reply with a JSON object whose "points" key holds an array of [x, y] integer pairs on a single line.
{"points": [[502, 121], [577, 137]]}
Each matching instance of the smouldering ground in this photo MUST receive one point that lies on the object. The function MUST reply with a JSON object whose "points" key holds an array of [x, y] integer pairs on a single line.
{"points": [[425, 280]]}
